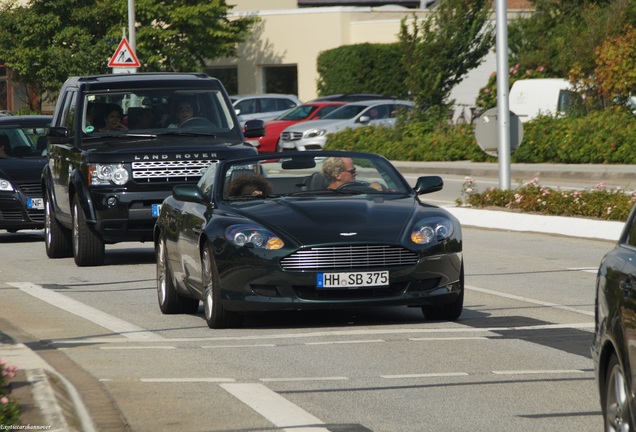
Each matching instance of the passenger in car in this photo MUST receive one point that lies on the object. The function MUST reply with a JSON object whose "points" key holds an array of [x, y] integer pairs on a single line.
{"points": [[112, 119], [338, 171], [4, 147], [249, 184]]}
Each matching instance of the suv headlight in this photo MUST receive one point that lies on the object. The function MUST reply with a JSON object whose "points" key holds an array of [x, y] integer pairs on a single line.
{"points": [[105, 174], [431, 230], [254, 235], [5, 185]]}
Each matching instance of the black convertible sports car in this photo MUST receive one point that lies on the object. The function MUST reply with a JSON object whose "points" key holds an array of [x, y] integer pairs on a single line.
{"points": [[306, 230]]}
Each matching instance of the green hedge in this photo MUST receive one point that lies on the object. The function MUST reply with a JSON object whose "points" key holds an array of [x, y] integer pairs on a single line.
{"points": [[601, 137]]}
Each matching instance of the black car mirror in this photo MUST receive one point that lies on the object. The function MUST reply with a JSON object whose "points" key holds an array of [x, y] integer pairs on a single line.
{"points": [[254, 128], [189, 193], [299, 163], [58, 132], [428, 184]]}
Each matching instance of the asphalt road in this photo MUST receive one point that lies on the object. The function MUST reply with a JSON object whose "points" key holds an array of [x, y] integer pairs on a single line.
{"points": [[518, 358]]}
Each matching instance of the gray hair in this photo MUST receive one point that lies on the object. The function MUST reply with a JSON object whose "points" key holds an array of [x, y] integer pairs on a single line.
{"points": [[331, 167]]}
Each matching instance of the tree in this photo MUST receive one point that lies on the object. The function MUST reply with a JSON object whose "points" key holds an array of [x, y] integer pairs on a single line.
{"points": [[47, 41], [616, 66], [439, 50]]}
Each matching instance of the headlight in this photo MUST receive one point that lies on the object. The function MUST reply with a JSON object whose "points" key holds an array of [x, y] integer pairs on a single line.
{"points": [[258, 237], [104, 174], [315, 133], [431, 230], [5, 185]]}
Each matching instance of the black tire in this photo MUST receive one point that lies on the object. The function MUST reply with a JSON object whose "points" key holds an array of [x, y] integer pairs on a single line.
{"points": [[57, 239], [447, 312], [170, 302], [215, 314], [88, 247], [614, 398]]}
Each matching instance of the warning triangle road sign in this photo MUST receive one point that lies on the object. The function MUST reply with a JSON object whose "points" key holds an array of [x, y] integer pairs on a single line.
{"points": [[124, 56]]}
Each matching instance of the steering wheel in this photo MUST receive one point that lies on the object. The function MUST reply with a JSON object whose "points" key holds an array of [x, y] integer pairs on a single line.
{"points": [[358, 186], [196, 122]]}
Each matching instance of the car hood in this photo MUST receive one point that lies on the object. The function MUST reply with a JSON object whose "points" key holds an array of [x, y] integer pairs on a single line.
{"points": [[330, 125], [22, 170], [359, 219]]}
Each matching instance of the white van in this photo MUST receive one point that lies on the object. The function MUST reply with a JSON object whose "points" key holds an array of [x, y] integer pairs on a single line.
{"points": [[548, 96]]}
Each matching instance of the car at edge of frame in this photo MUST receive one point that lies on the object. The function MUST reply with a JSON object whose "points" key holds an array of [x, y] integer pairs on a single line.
{"points": [[21, 205], [301, 243], [614, 339]]}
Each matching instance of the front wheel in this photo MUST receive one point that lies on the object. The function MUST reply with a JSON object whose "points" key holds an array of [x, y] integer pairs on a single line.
{"points": [[170, 301], [57, 239], [215, 314], [614, 398], [88, 247]]}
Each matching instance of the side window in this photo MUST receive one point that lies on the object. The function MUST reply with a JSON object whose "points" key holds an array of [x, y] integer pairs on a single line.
{"points": [[284, 104], [247, 106], [69, 115], [631, 235], [206, 183], [268, 105]]}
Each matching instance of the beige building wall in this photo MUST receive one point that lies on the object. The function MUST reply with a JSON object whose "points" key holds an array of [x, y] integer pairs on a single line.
{"points": [[297, 36]]}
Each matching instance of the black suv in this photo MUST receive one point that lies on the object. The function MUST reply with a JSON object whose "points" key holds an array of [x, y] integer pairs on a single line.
{"points": [[117, 146]]}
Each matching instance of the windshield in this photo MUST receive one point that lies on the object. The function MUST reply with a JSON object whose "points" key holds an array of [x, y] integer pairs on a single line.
{"points": [[23, 141], [155, 111], [299, 113], [345, 112], [311, 176]]}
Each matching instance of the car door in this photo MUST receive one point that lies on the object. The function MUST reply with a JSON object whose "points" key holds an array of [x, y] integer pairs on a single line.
{"points": [[190, 225], [627, 291]]}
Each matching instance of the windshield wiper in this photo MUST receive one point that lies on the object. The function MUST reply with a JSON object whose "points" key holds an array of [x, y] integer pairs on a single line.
{"points": [[187, 133], [123, 135]]}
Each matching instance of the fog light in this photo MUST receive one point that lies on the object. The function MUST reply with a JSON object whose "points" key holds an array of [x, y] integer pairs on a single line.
{"points": [[112, 201]]}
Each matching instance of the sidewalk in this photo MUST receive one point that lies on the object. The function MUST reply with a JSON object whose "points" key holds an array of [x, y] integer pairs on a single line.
{"points": [[56, 403]]}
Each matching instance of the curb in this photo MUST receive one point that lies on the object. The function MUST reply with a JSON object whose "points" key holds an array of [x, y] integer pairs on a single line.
{"points": [[58, 404], [524, 222]]}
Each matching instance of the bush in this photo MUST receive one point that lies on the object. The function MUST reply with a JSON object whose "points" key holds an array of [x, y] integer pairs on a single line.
{"points": [[9, 409], [531, 197]]}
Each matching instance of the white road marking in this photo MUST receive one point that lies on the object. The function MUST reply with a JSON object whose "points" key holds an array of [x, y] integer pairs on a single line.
{"points": [[275, 408], [96, 316], [346, 342], [167, 347], [238, 346], [449, 338], [538, 372], [303, 379], [585, 269], [429, 375], [187, 380], [529, 300]]}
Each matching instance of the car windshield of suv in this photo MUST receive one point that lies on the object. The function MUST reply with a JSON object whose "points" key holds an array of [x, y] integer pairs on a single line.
{"points": [[345, 112], [156, 111]]}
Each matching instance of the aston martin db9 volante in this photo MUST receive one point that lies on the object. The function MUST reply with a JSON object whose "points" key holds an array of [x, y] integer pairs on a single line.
{"points": [[615, 331], [306, 230]]}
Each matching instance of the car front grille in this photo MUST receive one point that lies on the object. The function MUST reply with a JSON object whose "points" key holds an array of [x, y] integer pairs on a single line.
{"points": [[349, 257], [31, 189], [169, 171], [291, 136]]}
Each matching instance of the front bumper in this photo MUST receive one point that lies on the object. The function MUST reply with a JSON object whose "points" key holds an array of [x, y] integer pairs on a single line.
{"points": [[434, 280], [19, 212], [125, 216], [316, 143]]}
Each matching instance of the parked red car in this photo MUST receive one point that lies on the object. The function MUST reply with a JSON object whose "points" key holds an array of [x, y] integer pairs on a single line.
{"points": [[309, 111]]}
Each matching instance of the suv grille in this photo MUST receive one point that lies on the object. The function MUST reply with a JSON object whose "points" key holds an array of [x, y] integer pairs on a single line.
{"points": [[32, 190], [291, 136], [349, 257], [164, 171]]}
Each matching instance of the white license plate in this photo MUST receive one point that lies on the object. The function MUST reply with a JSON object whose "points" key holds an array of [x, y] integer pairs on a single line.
{"points": [[352, 279], [35, 203], [156, 208]]}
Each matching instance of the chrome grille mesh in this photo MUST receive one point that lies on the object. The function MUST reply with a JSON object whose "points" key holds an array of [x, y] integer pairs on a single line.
{"points": [[169, 170], [349, 257], [291, 136]]}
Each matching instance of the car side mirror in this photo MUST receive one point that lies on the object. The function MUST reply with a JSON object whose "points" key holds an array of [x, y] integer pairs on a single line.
{"points": [[428, 184], [364, 119], [58, 132], [254, 128], [189, 193]]}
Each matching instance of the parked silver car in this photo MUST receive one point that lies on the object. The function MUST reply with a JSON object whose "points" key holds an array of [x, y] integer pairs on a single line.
{"points": [[263, 106], [312, 135]]}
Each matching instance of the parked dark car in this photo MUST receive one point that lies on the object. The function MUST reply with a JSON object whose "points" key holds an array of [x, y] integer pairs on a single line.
{"points": [[613, 348], [24, 141], [306, 230]]}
